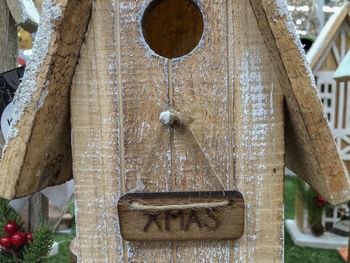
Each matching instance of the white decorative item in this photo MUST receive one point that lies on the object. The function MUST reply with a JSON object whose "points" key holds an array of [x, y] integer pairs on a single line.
{"points": [[329, 58], [6, 119], [326, 56]]}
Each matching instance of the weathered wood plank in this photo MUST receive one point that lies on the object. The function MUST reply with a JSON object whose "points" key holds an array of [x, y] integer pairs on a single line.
{"points": [[143, 95], [122, 89], [200, 90], [310, 149], [181, 216], [8, 45], [259, 140], [38, 151], [95, 141]]}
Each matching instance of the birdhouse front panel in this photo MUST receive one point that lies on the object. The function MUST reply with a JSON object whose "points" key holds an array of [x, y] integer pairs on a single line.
{"points": [[207, 62]]}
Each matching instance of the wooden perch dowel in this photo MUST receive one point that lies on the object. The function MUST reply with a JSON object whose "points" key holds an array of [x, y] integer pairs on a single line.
{"points": [[38, 151]]}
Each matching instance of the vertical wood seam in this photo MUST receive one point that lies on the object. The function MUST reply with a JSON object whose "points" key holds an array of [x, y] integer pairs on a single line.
{"points": [[121, 114], [171, 105], [171, 137], [230, 95]]}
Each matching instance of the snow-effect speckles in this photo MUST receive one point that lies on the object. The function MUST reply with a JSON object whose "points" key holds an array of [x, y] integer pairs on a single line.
{"points": [[23, 97], [255, 127], [282, 11]]}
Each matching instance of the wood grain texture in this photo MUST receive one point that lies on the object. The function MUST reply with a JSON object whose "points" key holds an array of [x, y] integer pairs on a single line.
{"points": [[310, 149], [202, 95], [8, 39], [181, 216], [38, 152], [259, 141], [226, 84], [95, 144]]}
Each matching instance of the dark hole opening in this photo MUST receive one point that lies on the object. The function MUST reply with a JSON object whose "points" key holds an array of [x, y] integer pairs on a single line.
{"points": [[172, 28]]}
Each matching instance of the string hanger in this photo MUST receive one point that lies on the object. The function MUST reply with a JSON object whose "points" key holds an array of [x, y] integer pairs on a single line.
{"points": [[176, 119]]}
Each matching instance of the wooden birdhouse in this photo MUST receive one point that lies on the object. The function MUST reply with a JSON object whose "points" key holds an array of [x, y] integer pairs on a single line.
{"points": [[171, 96]]}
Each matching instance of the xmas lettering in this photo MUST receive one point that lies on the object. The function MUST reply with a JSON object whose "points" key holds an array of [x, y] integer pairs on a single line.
{"points": [[183, 220]]}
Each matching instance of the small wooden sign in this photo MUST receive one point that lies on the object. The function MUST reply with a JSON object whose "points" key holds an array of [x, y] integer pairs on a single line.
{"points": [[181, 216]]}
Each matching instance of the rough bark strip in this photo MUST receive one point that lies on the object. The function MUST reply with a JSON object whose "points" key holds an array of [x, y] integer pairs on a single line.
{"points": [[310, 149], [200, 90], [121, 139], [95, 141], [259, 141], [38, 152]]}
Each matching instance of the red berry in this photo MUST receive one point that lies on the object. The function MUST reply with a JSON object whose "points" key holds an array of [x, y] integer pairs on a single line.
{"points": [[11, 227], [18, 239], [29, 236], [5, 242]]}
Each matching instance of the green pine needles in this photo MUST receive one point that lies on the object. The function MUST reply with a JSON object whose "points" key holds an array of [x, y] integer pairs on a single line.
{"points": [[31, 251], [40, 246], [7, 213]]}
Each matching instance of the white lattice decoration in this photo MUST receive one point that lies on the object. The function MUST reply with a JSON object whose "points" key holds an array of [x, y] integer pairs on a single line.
{"points": [[327, 91], [336, 101], [337, 213], [336, 98]]}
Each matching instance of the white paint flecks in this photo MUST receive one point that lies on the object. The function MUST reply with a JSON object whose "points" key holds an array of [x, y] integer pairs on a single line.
{"points": [[29, 12], [23, 97]]}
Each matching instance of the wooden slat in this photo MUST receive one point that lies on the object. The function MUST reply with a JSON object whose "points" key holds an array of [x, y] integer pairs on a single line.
{"points": [[38, 152], [95, 145], [201, 91], [336, 54], [144, 93], [259, 140], [117, 95], [310, 149]]}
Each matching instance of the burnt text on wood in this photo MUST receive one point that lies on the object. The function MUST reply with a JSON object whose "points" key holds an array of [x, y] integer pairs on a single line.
{"points": [[181, 216]]}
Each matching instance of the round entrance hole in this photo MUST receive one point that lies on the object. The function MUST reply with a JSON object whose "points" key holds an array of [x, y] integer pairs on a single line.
{"points": [[172, 28]]}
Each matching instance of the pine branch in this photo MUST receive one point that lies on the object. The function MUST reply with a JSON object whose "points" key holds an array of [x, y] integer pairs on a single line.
{"points": [[7, 213], [6, 257], [41, 245]]}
